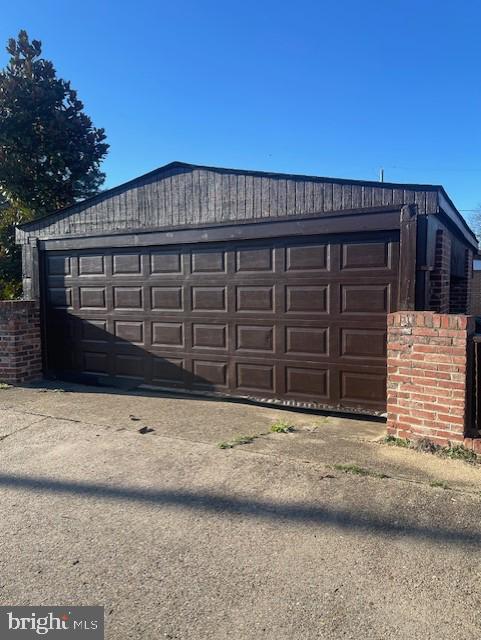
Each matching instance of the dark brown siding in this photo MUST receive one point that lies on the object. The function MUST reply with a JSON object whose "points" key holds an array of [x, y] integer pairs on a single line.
{"points": [[186, 196]]}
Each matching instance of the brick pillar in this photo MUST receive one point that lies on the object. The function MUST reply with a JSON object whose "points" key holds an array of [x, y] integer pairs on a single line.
{"points": [[440, 276], [427, 394], [20, 344]]}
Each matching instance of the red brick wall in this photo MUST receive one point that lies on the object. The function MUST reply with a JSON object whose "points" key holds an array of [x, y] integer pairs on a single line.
{"points": [[20, 345], [440, 276], [427, 391]]}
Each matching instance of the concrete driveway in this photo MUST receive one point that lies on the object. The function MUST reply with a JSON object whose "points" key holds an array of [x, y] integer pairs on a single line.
{"points": [[178, 538]]}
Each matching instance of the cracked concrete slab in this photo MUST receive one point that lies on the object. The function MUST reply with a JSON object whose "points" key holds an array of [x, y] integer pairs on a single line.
{"points": [[12, 420]]}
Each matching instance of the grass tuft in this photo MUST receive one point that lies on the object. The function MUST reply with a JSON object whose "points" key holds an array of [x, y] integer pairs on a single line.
{"points": [[440, 484], [230, 444], [397, 442], [281, 426], [424, 445], [459, 452], [4, 385], [355, 469]]}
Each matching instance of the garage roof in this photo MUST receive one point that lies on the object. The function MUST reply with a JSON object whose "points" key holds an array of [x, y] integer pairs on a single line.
{"points": [[180, 194]]}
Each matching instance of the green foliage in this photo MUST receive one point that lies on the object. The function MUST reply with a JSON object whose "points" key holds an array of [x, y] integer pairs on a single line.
{"points": [[50, 152], [281, 426], [424, 445], [439, 484], [459, 452], [397, 442], [10, 258], [356, 470], [230, 444]]}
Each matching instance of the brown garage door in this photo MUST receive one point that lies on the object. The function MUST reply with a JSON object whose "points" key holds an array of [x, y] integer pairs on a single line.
{"points": [[294, 319]]}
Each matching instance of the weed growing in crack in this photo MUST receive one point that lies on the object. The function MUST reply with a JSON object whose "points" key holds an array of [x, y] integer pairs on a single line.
{"points": [[230, 444], [355, 469], [458, 452], [397, 442], [281, 426], [424, 445], [440, 484]]}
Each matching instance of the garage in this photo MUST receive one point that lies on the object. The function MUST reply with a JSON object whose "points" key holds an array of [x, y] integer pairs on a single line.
{"points": [[238, 283]]}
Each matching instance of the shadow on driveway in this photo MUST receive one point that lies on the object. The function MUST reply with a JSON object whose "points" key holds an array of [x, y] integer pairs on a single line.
{"points": [[264, 510]]}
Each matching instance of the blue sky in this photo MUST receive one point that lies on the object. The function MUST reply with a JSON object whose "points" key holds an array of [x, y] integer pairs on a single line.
{"points": [[317, 87]]}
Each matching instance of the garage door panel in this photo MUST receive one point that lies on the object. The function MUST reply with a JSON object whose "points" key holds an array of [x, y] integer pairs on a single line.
{"points": [[92, 298], [167, 334], [255, 298], [252, 260], [209, 336], [366, 256], [306, 258], [209, 374], [307, 299], [307, 382], [209, 298], [91, 265], [165, 262], [126, 264], [363, 343], [130, 331], [94, 331], [366, 387], [306, 340], [168, 371], [60, 297], [255, 377], [208, 261], [128, 298], [367, 299], [295, 318], [129, 365], [59, 266], [58, 282], [256, 338], [95, 362], [167, 299]]}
